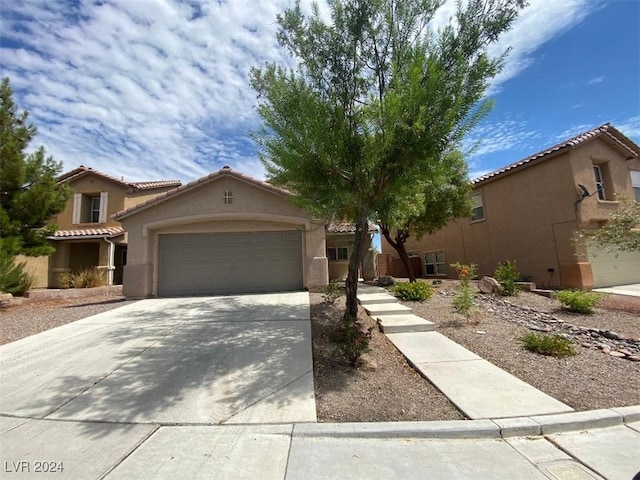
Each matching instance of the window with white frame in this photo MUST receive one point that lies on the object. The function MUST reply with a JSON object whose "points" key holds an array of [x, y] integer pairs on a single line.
{"points": [[597, 172], [435, 263], [338, 253], [477, 212], [635, 182], [90, 207]]}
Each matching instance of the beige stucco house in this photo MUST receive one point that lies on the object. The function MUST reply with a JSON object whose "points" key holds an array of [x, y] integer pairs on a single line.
{"points": [[87, 235], [530, 210], [223, 233]]}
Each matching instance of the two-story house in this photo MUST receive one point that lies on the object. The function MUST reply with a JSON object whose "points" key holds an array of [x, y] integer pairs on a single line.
{"points": [[530, 211], [87, 235]]}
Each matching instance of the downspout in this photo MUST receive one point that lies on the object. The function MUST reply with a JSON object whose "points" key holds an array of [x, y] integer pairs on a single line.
{"points": [[111, 267]]}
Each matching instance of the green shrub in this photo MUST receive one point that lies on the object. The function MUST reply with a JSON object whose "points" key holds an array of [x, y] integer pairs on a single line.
{"points": [[464, 302], [332, 292], [579, 301], [352, 340], [553, 345], [507, 274], [13, 278], [88, 278], [416, 291]]}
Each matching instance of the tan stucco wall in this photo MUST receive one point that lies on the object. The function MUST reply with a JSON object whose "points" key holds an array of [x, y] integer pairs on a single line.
{"points": [[202, 209], [338, 269], [92, 184], [119, 198], [37, 267], [531, 216]]}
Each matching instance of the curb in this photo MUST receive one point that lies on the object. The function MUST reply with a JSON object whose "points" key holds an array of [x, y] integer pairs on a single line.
{"points": [[497, 428]]}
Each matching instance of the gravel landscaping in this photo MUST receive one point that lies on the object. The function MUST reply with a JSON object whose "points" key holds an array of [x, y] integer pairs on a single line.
{"points": [[386, 388]]}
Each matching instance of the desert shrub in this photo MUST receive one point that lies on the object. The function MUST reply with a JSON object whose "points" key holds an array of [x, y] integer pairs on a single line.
{"points": [[464, 302], [332, 292], [415, 291], [65, 280], [88, 278], [553, 345], [578, 301], [507, 274], [13, 278], [352, 340]]}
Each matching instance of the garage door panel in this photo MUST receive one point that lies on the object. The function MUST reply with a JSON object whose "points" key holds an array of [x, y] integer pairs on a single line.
{"points": [[206, 264], [610, 269]]}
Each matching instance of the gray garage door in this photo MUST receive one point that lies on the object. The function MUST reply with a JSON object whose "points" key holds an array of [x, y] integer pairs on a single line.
{"points": [[223, 263]]}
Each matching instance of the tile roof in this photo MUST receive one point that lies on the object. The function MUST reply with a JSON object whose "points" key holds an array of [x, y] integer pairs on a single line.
{"points": [[606, 130], [223, 172], [87, 232], [82, 170], [347, 227]]}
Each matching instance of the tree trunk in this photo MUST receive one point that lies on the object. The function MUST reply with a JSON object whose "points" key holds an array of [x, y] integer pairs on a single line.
{"points": [[399, 245], [351, 283]]}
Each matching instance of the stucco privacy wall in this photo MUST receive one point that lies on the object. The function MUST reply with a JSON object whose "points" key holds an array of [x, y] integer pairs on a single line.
{"points": [[200, 207]]}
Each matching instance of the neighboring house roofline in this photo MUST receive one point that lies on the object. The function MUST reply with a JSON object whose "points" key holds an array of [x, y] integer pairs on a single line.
{"points": [[613, 135], [82, 171], [224, 172], [347, 228], [87, 233]]}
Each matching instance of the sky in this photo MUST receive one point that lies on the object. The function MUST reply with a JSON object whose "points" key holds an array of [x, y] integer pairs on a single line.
{"points": [[158, 89]]}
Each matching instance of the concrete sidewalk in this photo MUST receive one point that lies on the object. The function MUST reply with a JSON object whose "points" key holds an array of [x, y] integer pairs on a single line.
{"points": [[478, 388], [571, 448]]}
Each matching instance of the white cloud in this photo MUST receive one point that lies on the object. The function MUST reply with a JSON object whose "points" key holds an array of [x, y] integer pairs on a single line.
{"points": [[595, 80], [629, 127], [160, 90], [537, 24]]}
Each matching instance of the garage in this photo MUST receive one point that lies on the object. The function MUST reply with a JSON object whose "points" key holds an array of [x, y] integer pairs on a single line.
{"points": [[609, 269], [225, 233], [227, 263]]}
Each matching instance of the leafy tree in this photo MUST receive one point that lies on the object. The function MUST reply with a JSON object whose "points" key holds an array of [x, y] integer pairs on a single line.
{"points": [[424, 205], [621, 233], [376, 97], [29, 195]]}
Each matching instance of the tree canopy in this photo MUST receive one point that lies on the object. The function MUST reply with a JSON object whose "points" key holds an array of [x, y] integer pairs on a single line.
{"points": [[426, 204], [377, 96], [621, 233], [29, 195]]}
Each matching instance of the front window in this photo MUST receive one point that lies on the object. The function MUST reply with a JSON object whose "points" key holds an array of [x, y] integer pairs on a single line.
{"points": [[435, 263], [477, 213], [95, 209], [597, 172], [635, 182], [338, 253]]}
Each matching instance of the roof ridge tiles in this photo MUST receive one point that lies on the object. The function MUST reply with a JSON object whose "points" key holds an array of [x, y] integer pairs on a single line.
{"points": [[604, 129]]}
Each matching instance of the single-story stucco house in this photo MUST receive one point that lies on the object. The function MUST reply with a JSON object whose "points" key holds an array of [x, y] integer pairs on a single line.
{"points": [[224, 233]]}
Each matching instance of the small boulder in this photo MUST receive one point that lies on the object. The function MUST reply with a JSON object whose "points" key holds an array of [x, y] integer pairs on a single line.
{"points": [[386, 281], [488, 285]]}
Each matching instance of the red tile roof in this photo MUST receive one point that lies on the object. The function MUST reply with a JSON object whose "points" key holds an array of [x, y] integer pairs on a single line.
{"points": [[347, 227], [82, 170], [87, 232], [607, 131], [223, 172]]}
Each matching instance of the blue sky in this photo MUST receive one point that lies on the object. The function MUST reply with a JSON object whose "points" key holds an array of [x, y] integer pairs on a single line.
{"points": [[158, 89]]}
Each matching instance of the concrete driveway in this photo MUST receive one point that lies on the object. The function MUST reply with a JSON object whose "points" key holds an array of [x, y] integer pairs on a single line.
{"points": [[204, 360]]}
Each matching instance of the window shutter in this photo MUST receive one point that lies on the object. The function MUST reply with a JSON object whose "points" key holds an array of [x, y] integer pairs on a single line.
{"points": [[103, 207], [77, 208]]}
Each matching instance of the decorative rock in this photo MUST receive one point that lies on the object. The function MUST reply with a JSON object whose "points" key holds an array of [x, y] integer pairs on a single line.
{"points": [[386, 281], [488, 285], [604, 340], [481, 332], [609, 334]]}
